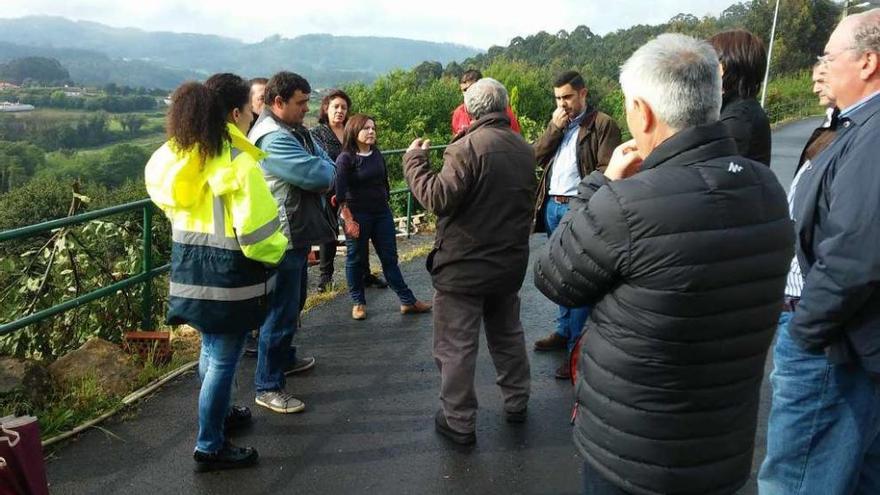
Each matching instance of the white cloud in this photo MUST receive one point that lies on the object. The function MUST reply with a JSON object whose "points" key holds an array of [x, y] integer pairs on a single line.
{"points": [[470, 22]]}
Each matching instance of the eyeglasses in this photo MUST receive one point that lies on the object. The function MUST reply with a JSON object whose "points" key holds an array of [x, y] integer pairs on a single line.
{"points": [[830, 57]]}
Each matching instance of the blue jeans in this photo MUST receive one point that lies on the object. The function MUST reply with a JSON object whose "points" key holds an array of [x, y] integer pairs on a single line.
{"points": [[570, 321], [274, 352], [822, 436], [217, 363], [379, 228]]}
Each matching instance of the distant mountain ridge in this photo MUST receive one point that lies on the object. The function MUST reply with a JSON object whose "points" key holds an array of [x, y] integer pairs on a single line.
{"points": [[96, 54]]}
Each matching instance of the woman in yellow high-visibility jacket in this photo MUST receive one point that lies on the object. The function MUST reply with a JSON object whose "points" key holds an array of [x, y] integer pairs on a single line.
{"points": [[225, 231]]}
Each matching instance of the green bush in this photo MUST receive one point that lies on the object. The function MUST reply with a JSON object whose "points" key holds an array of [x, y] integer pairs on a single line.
{"points": [[53, 267]]}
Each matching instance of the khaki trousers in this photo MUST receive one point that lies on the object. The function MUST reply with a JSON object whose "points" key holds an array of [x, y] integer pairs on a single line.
{"points": [[457, 321]]}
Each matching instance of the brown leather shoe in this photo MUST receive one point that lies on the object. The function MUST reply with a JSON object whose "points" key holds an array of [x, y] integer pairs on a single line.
{"points": [[415, 308], [359, 312], [552, 342], [563, 372]]}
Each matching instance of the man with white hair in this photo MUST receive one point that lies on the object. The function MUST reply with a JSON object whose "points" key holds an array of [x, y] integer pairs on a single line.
{"points": [[483, 199], [824, 429], [683, 248]]}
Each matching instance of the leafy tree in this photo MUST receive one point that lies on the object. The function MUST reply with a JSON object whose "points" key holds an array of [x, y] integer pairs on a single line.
{"points": [[121, 163], [131, 122], [40, 70], [427, 72], [18, 163], [453, 70]]}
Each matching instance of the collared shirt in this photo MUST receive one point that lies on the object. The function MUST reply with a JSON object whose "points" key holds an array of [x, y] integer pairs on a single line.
{"points": [[829, 117], [845, 112], [565, 176], [794, 284]]}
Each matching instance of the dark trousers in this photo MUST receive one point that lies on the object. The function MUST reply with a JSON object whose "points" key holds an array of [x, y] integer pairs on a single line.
{"points": [[378, 228], [327, 251], [457, 321], [596, 484]]}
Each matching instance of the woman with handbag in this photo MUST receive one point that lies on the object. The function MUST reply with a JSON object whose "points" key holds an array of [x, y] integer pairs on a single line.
{"points": [[363, 192], [329, 133]]}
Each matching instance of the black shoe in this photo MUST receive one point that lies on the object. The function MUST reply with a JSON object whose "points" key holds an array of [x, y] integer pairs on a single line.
{"points": [[517, 416], [229, 457], [443, 428], [371, 280], [326, 283], [238, 417]]}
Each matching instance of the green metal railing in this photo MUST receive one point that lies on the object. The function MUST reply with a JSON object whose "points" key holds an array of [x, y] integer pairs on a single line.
{"points": [[145, 276], [147, 273], [409, 196]]}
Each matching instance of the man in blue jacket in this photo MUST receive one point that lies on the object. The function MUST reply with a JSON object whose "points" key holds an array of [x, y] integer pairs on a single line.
{"points": [[824, 429], [298, 172]]}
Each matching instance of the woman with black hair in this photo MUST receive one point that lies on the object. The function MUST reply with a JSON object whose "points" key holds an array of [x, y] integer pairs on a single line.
{"points": [[743, 60], [332, 117], [225, 231]]}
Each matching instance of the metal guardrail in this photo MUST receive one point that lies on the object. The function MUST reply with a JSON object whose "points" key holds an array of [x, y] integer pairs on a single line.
{"points": [[145, 276], [409, 196], [147, 273]]}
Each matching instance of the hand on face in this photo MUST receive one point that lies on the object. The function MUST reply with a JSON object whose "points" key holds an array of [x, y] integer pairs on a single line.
{"points": [[560, 118], [625, 161]]}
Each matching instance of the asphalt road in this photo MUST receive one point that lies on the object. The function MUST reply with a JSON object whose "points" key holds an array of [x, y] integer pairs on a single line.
{"points": [[368, 424]]}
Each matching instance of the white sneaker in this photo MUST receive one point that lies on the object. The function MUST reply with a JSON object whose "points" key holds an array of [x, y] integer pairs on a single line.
{"points": [[280, 402]]}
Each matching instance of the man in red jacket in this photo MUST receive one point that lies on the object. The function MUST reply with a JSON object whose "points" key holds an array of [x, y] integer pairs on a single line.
{"points": [[461, 119]]}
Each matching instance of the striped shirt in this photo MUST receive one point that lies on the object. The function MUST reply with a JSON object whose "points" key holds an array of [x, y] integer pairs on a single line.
{"points": [[794, 284]]}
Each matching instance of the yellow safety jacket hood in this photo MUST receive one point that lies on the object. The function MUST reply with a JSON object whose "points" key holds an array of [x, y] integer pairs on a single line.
{"points": [[176, 179]]}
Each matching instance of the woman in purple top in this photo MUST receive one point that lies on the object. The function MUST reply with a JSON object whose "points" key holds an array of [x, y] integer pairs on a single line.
{"points": [[362, 191]]}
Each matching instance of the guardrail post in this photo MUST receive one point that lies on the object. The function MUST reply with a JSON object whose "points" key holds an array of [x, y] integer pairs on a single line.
{"points": [[409, 208], [147, 294]]}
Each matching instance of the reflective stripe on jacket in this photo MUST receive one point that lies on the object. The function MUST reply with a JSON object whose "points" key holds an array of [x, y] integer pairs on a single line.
{"points": [[225, 228]]}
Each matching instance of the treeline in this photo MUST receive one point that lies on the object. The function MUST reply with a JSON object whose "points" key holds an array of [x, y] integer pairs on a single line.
{"points": [[21, 163], [84, 131], [802, 30], [133, 100], [114, 104], [34, 70], [419, 102]]}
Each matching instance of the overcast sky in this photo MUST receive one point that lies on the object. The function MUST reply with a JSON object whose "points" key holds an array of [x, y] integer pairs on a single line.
{"points": [[477, 23]]}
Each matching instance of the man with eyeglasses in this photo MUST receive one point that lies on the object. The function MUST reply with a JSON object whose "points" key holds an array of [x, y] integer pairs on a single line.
{"points": [[823, 135], [824, 430], [461, 119]]}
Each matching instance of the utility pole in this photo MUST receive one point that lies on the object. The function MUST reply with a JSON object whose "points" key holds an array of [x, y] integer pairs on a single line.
{"points": [[770, 55]]}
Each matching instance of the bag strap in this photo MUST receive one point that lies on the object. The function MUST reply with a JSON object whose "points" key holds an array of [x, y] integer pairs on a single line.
{"points": [[12, 437]]}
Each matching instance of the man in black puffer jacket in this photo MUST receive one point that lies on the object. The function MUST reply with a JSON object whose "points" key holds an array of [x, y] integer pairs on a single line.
{"points": [[683, 247]]}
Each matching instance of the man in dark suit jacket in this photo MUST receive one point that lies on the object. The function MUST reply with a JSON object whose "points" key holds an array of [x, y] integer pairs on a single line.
{"points": [[824, 429]]}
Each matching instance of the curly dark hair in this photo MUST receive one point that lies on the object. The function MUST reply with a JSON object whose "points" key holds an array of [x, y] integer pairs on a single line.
{"points": [[233, 91], [355, 124], [325, 104], [196, 120]]}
